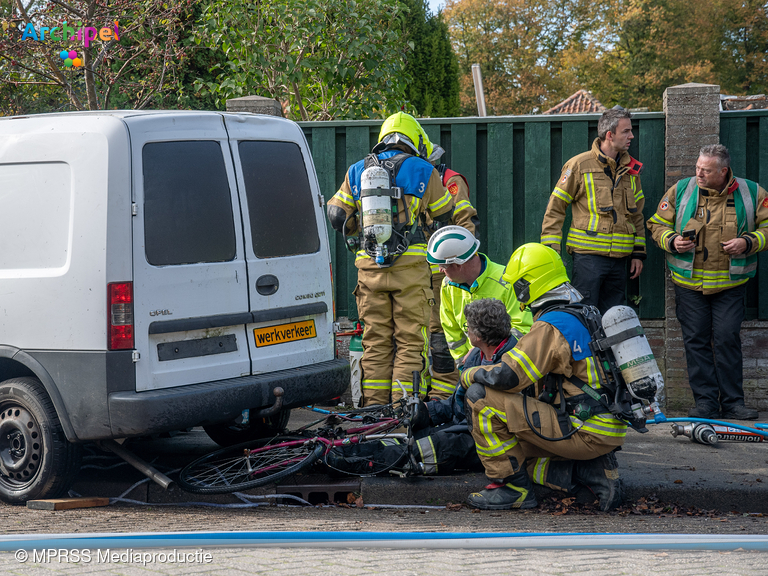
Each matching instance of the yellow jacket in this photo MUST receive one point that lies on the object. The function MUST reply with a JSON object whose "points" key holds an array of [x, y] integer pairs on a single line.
{"points": [[543, 350], [607, 206]]}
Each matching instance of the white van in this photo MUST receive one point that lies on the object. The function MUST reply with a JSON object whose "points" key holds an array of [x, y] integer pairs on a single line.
{"points": [[158, 271]]}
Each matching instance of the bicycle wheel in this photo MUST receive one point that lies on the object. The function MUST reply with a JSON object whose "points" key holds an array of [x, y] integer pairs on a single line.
{"points": [[239, 468]]}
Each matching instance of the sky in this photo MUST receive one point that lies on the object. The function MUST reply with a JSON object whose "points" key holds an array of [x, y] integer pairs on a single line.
{"points": [[435, 4]]}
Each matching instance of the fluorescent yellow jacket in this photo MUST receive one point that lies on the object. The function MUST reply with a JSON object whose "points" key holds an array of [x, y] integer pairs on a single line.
{"points": [[453, 298]]}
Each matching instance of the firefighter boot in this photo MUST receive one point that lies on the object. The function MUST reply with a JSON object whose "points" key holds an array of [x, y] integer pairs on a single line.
{"points": [[515, 492], [601, 476]]}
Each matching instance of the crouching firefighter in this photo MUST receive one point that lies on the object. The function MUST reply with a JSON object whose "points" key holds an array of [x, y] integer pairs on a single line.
{"points": [[380, 209], [565, 433]]}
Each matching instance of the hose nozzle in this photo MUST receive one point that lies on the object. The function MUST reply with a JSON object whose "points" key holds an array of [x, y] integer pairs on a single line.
{"points": [[700, 433]]}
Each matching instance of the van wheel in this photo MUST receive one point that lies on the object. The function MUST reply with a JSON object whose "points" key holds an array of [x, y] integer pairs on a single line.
{"points": [[36, 459], [231, 434]]}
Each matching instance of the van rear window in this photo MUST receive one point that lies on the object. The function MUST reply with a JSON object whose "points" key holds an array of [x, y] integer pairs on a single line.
{"points": [[187, 204], [280, 205]]}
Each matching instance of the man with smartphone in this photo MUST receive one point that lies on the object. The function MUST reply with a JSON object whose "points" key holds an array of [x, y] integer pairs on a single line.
{"points": [[711, 228]]}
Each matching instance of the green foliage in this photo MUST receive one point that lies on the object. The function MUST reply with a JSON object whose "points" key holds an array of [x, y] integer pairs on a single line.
{"points": [[321, 59], [137, 71], [431, 63]]}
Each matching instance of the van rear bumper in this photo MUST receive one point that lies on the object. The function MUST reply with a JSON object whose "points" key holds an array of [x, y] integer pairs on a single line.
{"points": [[140, 413]]}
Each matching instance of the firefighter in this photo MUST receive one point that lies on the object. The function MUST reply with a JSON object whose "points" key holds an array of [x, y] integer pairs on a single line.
{"points": [[469, 275], [712, 227], [393, 292], [444, 372], [519, 437], [603, 188]]}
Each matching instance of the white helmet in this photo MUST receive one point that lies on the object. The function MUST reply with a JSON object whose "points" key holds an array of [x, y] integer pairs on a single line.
{"points": [[452, 245]]}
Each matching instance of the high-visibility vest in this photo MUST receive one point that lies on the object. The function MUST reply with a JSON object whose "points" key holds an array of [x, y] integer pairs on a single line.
{"points": [[687, 200]]}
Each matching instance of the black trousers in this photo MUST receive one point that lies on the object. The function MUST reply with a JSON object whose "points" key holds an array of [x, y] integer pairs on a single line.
{"points": [[711, 325], [600, 279]]}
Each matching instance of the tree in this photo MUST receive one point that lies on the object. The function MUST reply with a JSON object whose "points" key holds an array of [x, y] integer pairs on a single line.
{"points": [[327, 59], [653, 44], [134, 65], [430, 62], [521, 47]]}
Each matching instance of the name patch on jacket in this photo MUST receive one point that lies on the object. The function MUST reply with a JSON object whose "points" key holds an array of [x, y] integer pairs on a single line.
{"points": [[573, 331]]}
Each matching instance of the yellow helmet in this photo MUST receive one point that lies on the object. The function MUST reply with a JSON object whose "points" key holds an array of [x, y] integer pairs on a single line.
{"points": [[534, 269], [402, 124]]}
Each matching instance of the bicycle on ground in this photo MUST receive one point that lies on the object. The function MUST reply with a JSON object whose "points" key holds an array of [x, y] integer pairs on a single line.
{"points": [[328, 439]]}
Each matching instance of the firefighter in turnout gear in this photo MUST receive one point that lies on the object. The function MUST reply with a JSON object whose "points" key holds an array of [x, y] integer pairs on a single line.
{"points": [[520, 438], [382, 220], [445, 375], [468, 276], [712, 227], [603, 188]]}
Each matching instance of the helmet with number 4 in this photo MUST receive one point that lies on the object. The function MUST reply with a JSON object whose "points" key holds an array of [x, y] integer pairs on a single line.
{"points": [[451, 245], [534, 269]]}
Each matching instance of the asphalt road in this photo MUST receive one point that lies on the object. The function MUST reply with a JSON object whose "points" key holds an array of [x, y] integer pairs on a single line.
{"points": [[652, 461]]}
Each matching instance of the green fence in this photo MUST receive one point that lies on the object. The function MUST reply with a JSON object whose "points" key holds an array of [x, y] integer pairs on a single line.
{"points": [[513, 162]]}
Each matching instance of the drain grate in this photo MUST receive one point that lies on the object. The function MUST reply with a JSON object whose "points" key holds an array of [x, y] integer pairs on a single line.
{"points": [[319, 488]]}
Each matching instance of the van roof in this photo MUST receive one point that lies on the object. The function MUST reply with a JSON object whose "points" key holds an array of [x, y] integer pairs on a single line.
{"points": [[135, 113]]}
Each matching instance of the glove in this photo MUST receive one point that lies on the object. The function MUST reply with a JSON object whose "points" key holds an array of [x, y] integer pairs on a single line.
{"points": [[420, 416], [460, 393]]}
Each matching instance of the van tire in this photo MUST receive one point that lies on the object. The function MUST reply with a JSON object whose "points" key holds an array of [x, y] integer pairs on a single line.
{"points": [[36, 459], [228, 434]]}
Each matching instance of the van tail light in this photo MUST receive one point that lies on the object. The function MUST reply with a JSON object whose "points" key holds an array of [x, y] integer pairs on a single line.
{"points": [[120, 311]]}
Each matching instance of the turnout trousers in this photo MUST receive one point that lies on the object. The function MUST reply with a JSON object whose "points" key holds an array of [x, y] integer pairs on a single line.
{"points": [[711, 324], [394, 304], [601, 280], [504, 440], [445, 375]]}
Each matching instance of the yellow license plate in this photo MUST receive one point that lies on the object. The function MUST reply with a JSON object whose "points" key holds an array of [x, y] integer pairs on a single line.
{"points": [[282, 333]]}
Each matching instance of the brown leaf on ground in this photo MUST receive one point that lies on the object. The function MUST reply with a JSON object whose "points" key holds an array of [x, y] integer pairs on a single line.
{"points": [[453, 507]]}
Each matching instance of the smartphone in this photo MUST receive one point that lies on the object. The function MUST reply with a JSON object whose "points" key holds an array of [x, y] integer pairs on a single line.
{"points": [[689, 235]]}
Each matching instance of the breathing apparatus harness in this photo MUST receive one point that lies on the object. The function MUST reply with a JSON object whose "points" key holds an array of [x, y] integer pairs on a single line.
{"points": [[387, 237], [615, 394]]}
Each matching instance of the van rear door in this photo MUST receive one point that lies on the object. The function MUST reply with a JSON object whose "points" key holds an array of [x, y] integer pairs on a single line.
{"points": [[190, 281], [286, 244]]}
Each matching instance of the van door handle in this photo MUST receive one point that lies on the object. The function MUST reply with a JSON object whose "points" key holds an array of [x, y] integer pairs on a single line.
{"points": [[267, 285]]}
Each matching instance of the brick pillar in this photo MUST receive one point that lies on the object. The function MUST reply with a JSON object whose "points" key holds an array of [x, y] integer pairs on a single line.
{"points": [[255, 105], [692, 121]]}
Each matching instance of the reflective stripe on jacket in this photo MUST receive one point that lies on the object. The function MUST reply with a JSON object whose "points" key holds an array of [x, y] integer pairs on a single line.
{"points": [[543, 350], [739, 210], [607, 203]]}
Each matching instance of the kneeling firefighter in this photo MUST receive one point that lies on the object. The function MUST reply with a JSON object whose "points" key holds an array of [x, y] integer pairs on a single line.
{"points": [[569, 434], [380, 209]]}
